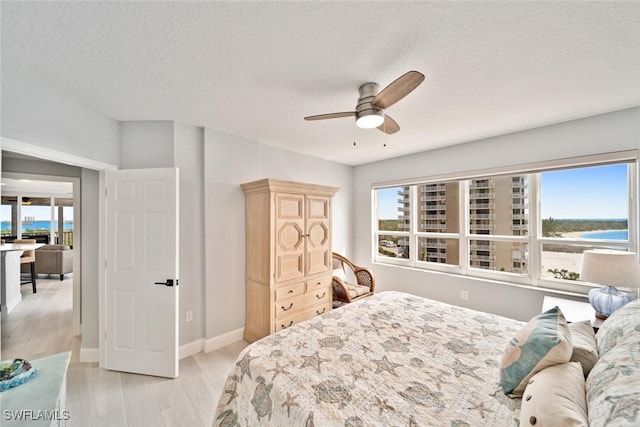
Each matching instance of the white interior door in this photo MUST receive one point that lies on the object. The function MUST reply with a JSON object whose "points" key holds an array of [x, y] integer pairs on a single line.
{"points": [[142, 272]]}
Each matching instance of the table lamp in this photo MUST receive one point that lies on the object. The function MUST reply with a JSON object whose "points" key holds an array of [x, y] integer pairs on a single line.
{"points": [[610, 268]]}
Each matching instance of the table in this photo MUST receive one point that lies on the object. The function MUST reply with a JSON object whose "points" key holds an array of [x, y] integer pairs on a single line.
{"points": [[10, 253], [42, 400], [574, 311]]}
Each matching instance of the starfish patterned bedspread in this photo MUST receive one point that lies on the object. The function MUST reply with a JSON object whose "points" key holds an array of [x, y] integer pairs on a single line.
{"points": [[393, 359]]}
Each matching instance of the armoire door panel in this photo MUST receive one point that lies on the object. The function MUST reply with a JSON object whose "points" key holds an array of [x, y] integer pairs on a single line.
{"points": [[318, 235], [290, 237], [318, 261], [290, 206], [318, 207], [289, 267]]}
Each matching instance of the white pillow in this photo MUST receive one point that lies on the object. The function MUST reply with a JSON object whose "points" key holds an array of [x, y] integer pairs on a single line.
{"points": [[555, 397], [585, 349]]}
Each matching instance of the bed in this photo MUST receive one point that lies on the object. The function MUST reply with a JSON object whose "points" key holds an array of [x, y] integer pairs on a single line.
{"points": [[393, 359]]}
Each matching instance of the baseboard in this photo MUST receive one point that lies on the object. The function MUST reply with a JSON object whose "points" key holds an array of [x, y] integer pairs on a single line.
{"points": [[89, 355], [223, 340], [14, 302], [191, 348], [186, 350]]}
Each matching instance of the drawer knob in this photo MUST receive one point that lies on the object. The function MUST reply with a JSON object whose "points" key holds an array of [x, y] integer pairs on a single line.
{"points": [[320, 312], [321, 296], [286, 308], [290, 291], [286, 326]]}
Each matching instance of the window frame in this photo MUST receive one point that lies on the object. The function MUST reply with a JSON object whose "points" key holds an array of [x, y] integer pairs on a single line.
{"points": [[534, 239]]}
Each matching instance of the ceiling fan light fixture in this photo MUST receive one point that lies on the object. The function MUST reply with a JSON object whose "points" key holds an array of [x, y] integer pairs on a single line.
{"points": [[370, 118]]}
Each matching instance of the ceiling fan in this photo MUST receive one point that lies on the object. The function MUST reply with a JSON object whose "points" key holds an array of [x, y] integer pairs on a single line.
{"points": [[371, 104]]}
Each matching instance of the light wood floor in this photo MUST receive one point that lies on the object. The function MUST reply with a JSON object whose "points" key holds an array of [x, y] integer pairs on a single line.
{"points": [[41, 325], [97, 397]]}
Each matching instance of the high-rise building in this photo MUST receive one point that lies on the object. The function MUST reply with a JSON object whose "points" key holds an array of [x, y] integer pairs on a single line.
{"points": [[497, 206], [438, 212]]}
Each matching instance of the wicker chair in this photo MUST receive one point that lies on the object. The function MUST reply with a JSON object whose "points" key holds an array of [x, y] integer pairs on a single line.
{"points": [[345, 292]]}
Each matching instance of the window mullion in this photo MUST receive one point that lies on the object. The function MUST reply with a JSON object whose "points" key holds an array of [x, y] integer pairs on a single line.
{"points": [[464, 226], [376, 227], [535, 229], [415, 212], [634, 206]]}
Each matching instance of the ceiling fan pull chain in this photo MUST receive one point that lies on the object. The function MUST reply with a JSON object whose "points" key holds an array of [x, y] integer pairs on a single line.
{"points": [[355, 128], [384, 129]]}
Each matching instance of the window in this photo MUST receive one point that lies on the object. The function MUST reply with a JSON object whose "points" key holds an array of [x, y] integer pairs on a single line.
{"points": [[526, 227], [438, 219], [394, 222], [6, 215], [36, 217], [499, 206], [582, 208]]}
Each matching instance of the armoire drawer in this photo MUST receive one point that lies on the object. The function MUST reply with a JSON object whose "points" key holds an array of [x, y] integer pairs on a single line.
{"points": [[292, 305], [318, 283], [289, 291], [306, 314]]}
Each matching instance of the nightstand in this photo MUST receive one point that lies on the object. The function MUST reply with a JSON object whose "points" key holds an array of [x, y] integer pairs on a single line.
{"points": [[574, 311]]}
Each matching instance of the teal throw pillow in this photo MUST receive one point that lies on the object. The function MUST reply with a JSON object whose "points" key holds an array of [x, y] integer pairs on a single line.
{"points": [[544, 341]]}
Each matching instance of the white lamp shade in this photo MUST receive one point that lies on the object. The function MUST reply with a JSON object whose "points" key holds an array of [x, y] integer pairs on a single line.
{"points": [[610, 267]]}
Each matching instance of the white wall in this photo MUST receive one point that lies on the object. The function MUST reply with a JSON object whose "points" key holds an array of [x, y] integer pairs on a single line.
{"points": [[90, 194], [35, 114], [610, 132], [147, 144], [229, 161], [155, 144], [188, 157]]}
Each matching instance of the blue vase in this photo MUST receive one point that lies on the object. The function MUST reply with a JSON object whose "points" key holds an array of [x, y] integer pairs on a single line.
{"points": [[606, 300]]}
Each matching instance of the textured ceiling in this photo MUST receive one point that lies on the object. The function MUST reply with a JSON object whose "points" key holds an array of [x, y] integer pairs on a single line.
{"points": [[257, 68]]}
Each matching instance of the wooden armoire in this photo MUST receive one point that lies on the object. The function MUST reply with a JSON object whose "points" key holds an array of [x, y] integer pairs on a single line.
{"points": [[288, 251]]}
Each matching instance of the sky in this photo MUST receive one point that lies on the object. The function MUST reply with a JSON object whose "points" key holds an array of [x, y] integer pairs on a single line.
{"points": [[586, 193], [599, 192]]}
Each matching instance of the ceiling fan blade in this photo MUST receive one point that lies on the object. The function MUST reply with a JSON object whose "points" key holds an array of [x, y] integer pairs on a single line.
{"points": [[398, 89], [331, 115], [389, 126]]}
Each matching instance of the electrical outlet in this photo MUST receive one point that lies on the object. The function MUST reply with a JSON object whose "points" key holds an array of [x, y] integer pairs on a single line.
{"points": [[189, 316], [464, 295]]}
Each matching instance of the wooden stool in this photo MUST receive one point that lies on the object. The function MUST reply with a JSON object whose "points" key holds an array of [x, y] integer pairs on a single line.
{"points": [[29, 257]]}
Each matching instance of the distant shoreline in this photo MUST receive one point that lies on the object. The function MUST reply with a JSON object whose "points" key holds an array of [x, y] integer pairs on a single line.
{"points": [[577, 234]]}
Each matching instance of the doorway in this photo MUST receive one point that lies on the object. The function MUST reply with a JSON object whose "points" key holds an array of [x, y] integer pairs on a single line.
{"points": [[45, 208]]}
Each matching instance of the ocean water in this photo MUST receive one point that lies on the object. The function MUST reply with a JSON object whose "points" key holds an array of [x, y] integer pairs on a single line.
{"points": [[607, 235], [36, 225]]}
